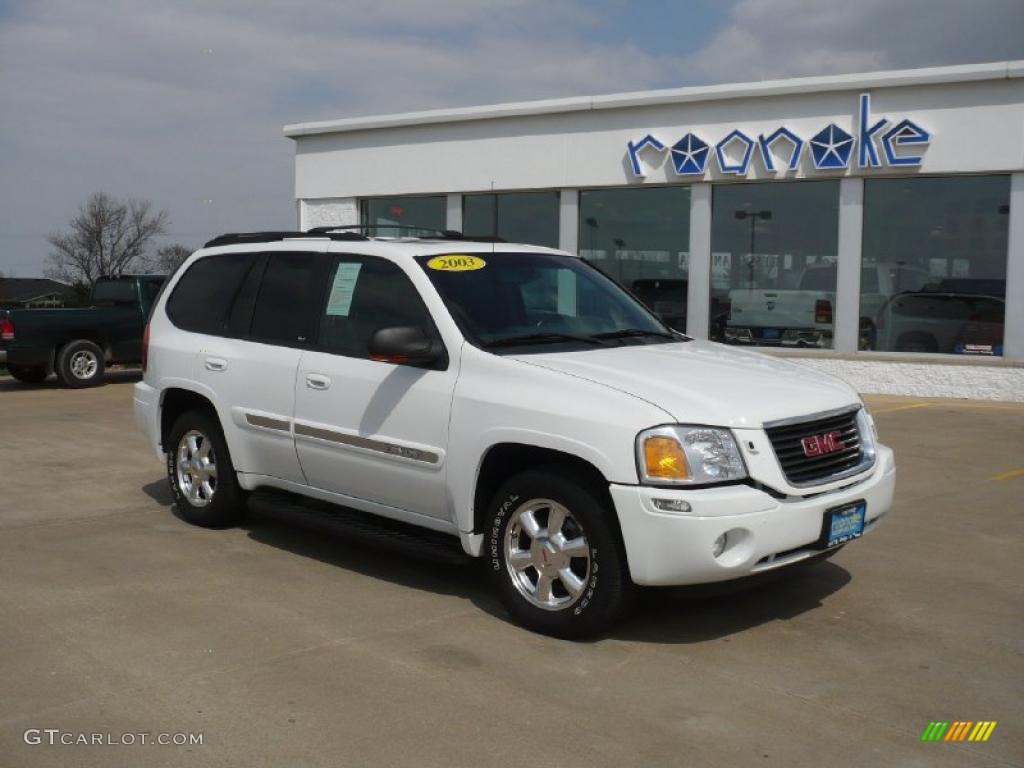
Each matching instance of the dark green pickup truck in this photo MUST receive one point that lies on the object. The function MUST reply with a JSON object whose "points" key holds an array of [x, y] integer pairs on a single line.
{"points": [[78, 344]]}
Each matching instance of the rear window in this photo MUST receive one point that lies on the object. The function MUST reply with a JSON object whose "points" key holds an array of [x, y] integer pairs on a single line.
{"points": [[115, 292], [933, 306], [819, 279], [202, 298]]}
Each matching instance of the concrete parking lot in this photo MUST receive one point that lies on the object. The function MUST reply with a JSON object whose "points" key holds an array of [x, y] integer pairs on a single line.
{"points": [[284, 647]]}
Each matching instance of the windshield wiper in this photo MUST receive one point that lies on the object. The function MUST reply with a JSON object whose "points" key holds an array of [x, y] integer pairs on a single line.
{"points": [[541, 338], [630, 333]]}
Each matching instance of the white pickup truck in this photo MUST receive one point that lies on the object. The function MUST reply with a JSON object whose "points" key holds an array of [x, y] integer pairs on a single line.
{"points": [[508, 399], [803, 317]]}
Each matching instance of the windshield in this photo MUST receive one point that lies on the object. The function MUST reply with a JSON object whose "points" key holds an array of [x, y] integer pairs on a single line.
{"points": [[526, 299]]}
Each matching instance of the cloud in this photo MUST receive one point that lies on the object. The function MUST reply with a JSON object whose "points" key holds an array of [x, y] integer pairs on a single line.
{"points": [[766, 39], [127, 100], [120, 97]]}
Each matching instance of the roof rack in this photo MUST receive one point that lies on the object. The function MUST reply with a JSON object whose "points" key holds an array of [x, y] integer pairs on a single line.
{"points": [[233, 238], [438, 234], [348, 227], [343, 232]]}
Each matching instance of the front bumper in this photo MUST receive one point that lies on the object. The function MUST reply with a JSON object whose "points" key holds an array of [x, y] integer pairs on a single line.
{"points": [[665, 548]]}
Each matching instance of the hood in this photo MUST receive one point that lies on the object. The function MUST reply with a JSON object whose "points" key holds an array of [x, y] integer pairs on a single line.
{"points": [[699, 382]]}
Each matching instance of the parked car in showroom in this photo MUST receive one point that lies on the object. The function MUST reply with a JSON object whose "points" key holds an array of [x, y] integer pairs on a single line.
{"points": [[510, 399], [803, 316], [78, 344], [982, 334], [933, 321]]}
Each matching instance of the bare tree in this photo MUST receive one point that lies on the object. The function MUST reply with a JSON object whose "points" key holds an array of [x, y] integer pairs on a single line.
{"points": [[107, 237], [167, 259]]}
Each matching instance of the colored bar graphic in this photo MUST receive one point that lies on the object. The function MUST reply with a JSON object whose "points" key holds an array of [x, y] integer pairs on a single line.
{"points": [[982, 731], [958, 730]]}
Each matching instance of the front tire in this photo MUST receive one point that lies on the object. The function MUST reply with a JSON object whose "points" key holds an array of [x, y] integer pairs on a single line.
{"points": [[80, 364], [200, 472], [28, 374], [554, 554]]}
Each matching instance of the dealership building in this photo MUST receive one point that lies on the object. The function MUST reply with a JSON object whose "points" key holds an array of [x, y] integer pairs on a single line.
{"points": [[870, 225]]}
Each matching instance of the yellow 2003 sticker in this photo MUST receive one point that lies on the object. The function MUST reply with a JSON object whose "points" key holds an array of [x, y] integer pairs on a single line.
{"points": [[456, 263]]}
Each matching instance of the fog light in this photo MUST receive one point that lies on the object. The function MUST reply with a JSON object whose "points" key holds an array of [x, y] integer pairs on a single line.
{"points": [[719, 546], [671, 505]]}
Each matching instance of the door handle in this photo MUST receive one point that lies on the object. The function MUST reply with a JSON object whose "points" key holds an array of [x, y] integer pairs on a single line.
{"points": [[317, 381], [216, 364]]}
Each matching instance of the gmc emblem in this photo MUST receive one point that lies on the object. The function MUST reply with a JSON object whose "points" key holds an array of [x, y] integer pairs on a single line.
{"points": [[819, 445]]}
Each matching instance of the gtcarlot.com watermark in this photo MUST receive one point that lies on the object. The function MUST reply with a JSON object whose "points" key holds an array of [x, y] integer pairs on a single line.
{"points": [[56, 737]]}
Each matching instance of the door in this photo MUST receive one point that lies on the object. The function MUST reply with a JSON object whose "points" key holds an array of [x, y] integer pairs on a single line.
{"points": [[368, 429], [265, 314]]}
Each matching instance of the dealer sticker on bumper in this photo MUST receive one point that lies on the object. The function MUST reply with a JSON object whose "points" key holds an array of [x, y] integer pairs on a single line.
{"points": [[844, 523]]}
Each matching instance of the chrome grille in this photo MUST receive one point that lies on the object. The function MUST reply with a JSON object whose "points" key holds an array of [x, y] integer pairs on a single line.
{"points": [[802, 470]]}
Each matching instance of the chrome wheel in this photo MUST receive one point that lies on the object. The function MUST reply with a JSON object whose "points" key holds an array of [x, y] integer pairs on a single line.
{"points": [[547, 554], [84, 364], [196, 468]]}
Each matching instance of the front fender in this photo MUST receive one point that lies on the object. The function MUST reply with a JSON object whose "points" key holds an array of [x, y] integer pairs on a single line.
{"points": [[502, 400]]}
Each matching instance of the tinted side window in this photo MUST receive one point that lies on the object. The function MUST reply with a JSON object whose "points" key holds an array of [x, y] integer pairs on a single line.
{"points": [[240, 317], [365, 294], [282, 307], [202, 298]]}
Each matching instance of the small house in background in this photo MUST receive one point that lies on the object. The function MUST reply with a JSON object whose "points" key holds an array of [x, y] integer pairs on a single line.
{"points": [[27, 292]]}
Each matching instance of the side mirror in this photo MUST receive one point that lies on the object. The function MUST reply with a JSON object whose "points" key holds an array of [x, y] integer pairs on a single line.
{"points": [[406, 345]]}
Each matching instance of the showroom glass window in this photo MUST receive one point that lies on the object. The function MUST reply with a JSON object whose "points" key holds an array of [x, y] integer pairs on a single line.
{"points": [[428, 213], [641, 238], [934, 255], [773, 263], [516, 217]]}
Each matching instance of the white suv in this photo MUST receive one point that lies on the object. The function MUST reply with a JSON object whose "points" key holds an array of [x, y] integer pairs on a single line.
{"points": [[510, 396]]}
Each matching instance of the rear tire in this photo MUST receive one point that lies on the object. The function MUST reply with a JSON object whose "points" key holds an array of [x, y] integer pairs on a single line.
{"points": [[200, 472], [80, 364], [28, 374], [555, 556]]}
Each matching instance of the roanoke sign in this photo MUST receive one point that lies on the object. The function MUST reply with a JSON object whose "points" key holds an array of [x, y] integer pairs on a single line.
{"points": [[885, 142]]}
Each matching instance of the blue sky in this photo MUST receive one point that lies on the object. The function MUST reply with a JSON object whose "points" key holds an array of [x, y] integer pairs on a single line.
{"points": [[118, 96]]}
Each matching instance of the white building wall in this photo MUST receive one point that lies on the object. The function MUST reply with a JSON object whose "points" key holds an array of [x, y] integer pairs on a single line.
{"points": [[329, 211], [976, 127], [1014, 320]]}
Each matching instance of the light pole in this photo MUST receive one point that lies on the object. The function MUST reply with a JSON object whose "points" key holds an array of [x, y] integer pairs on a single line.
{"points": [[764, 215], [592, 225], [620, 244]]}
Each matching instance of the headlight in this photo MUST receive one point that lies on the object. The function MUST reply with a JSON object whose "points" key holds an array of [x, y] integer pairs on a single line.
{"points": [[682, 455], [865, 419], [868, 434]]}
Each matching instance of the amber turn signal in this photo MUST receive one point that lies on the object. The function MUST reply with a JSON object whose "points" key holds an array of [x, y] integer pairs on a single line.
{"points": [[664, 459]]}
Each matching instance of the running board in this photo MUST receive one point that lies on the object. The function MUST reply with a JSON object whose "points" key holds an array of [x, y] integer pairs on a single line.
{"points": [[360, 528]]}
